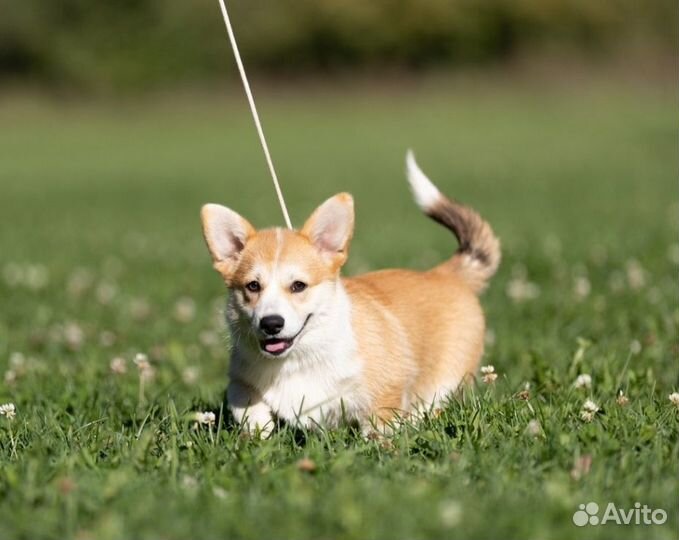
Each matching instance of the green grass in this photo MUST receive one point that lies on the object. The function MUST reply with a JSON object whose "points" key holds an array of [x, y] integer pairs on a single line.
{"points": [[100, 238]]}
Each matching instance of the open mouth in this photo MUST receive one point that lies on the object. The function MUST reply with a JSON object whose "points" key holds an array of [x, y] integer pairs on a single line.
{"points": [[277, 346]]}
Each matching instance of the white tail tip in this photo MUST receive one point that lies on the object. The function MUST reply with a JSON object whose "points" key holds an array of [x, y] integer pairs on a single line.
{"points": [[425, 192]]}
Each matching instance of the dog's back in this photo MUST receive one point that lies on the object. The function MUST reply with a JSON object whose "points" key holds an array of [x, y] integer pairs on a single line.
{"points": [[424, 331]]}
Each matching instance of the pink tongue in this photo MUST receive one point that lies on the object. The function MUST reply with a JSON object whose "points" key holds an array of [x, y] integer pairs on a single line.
{"points": [[275, 346]]}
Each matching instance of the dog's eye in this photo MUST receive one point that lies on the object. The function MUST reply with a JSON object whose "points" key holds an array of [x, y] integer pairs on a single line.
{"points": [[297, 286], [253, 286]]}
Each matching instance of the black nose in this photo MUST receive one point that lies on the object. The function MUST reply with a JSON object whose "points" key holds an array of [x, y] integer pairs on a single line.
{"points": [[272, 324]]}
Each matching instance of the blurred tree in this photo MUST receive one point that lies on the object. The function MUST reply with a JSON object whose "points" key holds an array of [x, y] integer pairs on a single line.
{"points": [[135, 43]]}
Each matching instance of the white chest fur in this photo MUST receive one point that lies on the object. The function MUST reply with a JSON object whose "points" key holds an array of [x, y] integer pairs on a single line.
{"points": [[316, 390]]}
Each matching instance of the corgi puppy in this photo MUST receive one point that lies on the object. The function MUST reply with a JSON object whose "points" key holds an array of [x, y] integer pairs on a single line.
{"points": [[314, 348]]}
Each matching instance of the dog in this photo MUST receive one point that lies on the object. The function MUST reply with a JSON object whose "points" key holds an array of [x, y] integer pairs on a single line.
{"points": [[316, 349]]}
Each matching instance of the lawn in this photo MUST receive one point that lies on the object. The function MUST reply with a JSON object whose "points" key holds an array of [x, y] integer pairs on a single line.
{"points": [[101, 258]]}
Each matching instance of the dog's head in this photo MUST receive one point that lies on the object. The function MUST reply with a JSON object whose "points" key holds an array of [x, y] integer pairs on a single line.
{"points": [[280, 278]]}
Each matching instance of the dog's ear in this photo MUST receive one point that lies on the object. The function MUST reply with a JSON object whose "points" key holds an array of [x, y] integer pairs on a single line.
{"points": [[226, 234], [331, 226]]}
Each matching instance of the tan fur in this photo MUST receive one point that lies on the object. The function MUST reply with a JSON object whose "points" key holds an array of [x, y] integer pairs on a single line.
{"points": [[433, 340], [290, 246]]}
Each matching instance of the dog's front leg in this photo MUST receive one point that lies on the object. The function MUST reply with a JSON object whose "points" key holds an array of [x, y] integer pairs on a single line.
{"points": [[248, 409]]}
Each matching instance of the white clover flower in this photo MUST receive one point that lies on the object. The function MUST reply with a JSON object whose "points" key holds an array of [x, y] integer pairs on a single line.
{"points": [[208, 418], [587, 416], [589, 410], [489, 378], [521, 290], [189, 482], [118, 366], [8, 410], [17, 360], [636, 275], [450, 513], [142, 361], [185, 309], [590, 406], [10, 376], [36, 276], [73, 336], [583, 381], [146, 371], [106, 292], [534, 428], [80, 280], [489, 374], [635, 347], [190, 375], [208, 338], [582, 287], [674, 398], [622, 399], [219, 492]]}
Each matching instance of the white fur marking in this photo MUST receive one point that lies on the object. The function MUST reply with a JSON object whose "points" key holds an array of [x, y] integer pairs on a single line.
{"points": [[425, 192], [279, 247], [319, 379]]}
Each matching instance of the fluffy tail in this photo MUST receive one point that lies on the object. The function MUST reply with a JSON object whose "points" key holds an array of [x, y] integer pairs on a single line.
{"points": [[478, 255]]}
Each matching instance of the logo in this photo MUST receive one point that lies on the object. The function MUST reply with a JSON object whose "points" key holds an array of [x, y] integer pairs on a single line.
{"points": [[588, 514]]}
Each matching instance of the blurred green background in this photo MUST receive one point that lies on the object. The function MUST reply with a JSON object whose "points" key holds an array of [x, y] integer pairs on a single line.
{"points": [[134, 44], [556, 119]]}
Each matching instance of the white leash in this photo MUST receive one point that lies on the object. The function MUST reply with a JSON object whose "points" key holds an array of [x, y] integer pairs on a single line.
{"points": [[251, 101]]}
